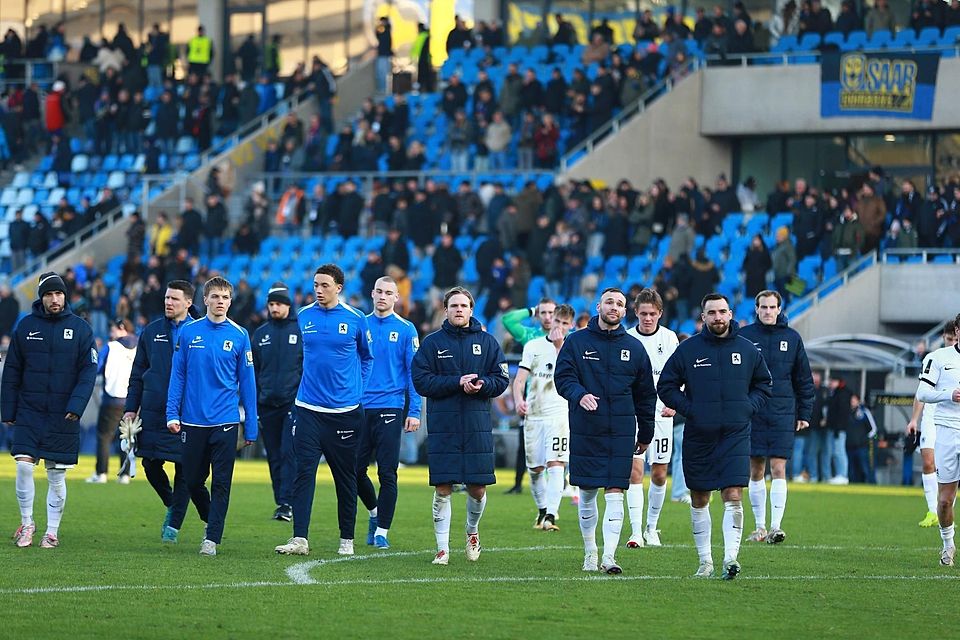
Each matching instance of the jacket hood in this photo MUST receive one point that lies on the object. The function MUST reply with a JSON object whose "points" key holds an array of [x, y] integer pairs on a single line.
{"points": [[473, 327], [194, 312], [594, 327], [734, 330], [129, 341], [40, 312]]}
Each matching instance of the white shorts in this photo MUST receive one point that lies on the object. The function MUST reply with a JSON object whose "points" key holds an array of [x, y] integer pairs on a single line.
{"points": [[946, 455], [928, 437], [546, 440], [661, 447]]}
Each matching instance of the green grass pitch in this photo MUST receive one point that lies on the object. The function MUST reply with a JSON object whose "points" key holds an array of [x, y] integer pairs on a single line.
{"points": [[855, 565]]}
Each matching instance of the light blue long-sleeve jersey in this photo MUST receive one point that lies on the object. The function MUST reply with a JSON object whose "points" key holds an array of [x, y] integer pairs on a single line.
{"points": [[337, 358], [395, 342], [211, 362]]}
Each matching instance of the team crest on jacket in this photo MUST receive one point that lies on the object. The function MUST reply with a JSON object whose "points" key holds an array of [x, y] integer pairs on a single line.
{"points": [[735, 358], [476, 350], [625, 355], [504, 369], [94, 357], [68, 334], [342, 328], [292, 338], [228, 345], [394, 336], [784, 345]]}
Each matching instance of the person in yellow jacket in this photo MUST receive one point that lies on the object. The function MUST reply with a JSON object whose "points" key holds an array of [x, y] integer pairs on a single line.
{"points": [[199, 52], [420, 54], [161, 236]]}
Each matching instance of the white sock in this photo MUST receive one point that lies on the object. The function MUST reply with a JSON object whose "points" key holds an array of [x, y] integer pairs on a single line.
{"points": [[56, 498], [930, 490], [588, 518], [778, 502], [700, 519], [655, 503], [612, 522], [946, 534], [373, 512], [475, 512], [441, 521], [554, 489], [539, 489], [758, 501], [25, 491], [732, 529], [635, 508], [381, 532]]}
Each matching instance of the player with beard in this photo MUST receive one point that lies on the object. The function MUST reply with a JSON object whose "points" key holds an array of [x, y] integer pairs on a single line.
{"points": [[719, 381]]}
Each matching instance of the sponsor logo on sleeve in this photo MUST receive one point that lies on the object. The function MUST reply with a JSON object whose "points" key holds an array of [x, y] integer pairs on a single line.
{"points": [[416, 343], [249, 358]]}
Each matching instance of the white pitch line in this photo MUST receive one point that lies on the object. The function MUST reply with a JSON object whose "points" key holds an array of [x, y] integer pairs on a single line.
{"points": [[299, 575]]}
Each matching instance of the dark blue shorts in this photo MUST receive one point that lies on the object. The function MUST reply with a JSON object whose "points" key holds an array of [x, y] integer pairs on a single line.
{"points": [[716, 459], [766, 442], [54, 440]]}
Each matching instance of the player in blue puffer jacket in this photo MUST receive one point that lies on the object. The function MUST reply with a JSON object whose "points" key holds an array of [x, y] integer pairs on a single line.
{"points": [[772, 432], [607, 380], [459, 369], [47, 381], [147, 395], [719, 381]]}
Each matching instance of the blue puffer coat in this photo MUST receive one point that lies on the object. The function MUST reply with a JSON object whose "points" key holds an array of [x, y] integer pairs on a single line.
{"points": [[147, 390], [725, 383], [772, 431], [459, 426], [50, 371], [614, 367]]}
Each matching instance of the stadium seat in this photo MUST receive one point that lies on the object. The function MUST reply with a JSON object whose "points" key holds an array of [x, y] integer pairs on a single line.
{"points": [[880, 40], [20, 180], [950, 36], [928, 37], [904, 38], [809, 42], [855, 40], [834, 38]]}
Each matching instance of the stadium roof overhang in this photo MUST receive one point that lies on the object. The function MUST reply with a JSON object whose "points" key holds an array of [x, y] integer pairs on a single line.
{"points": [[859, 351]]}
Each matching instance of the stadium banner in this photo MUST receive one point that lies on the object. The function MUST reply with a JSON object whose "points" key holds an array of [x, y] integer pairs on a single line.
{"points": [[894, 84]]}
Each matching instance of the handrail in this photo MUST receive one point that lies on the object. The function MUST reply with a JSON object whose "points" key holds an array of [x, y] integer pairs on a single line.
{"points": [[923, 252], [637, 107], [783, 57], [29, 76], [812, 299]]}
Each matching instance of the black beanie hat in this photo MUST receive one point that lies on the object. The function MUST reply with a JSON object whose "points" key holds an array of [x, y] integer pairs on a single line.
{"points": [[279, 293], [50, 281]]}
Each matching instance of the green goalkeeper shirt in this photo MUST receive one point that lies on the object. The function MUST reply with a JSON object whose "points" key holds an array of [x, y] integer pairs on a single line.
{"points": [[513, 323]]}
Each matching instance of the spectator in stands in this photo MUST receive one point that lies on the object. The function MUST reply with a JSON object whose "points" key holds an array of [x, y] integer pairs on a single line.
{"points": [[497, 140], [596, 52], [106, 205], [190, 228], [847, 19], [167, 123], [682, 239], [526, 144], [454, 97], [268, 95], [215, 225], [952, 15], [420, 56], [808, 225], [158, 44], [784, 258], [747, 195], [291, 212], [136, 234], [932, 220], [716, 44], [384, 33], [40, 235], [460, 37], [848, 239], [510, 92], [741, 40], [861, 430], [646, 29], [394, 251], [872, 212], [565, 33], [19, 235], [819, 20], [199, 53], [925, 14], [880, 18], [459, 137], [531, 92], [447, 262], [908, 205], [249, 55], [756, 264], [9, 311], [786, 22], [201, 123], [161, 236]]}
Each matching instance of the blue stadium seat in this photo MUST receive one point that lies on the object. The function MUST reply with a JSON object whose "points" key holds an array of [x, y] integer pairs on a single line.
{"points": [[928, 37], [785, 43], [880, 40], [809, 41], [834, 38], [950, 36], [855, 40]]}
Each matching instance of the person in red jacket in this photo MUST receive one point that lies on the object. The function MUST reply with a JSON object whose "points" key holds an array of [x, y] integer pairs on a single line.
{"points": [[55, 108]]}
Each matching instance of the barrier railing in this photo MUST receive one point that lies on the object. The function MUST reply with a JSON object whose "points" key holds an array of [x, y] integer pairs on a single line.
{"points": [[813, 299]]}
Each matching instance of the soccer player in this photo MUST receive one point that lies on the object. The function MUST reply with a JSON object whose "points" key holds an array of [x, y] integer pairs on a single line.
{"points": [[513, 323], [47, 381], [940, 385], [460, 368], [337, 364], [788, 411], [395, 341], [928, 438], [147, 396], [606, 378], [212, 362], [718, 380], [115, 363], [659, 343], [278, 365], [546, 425]]}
